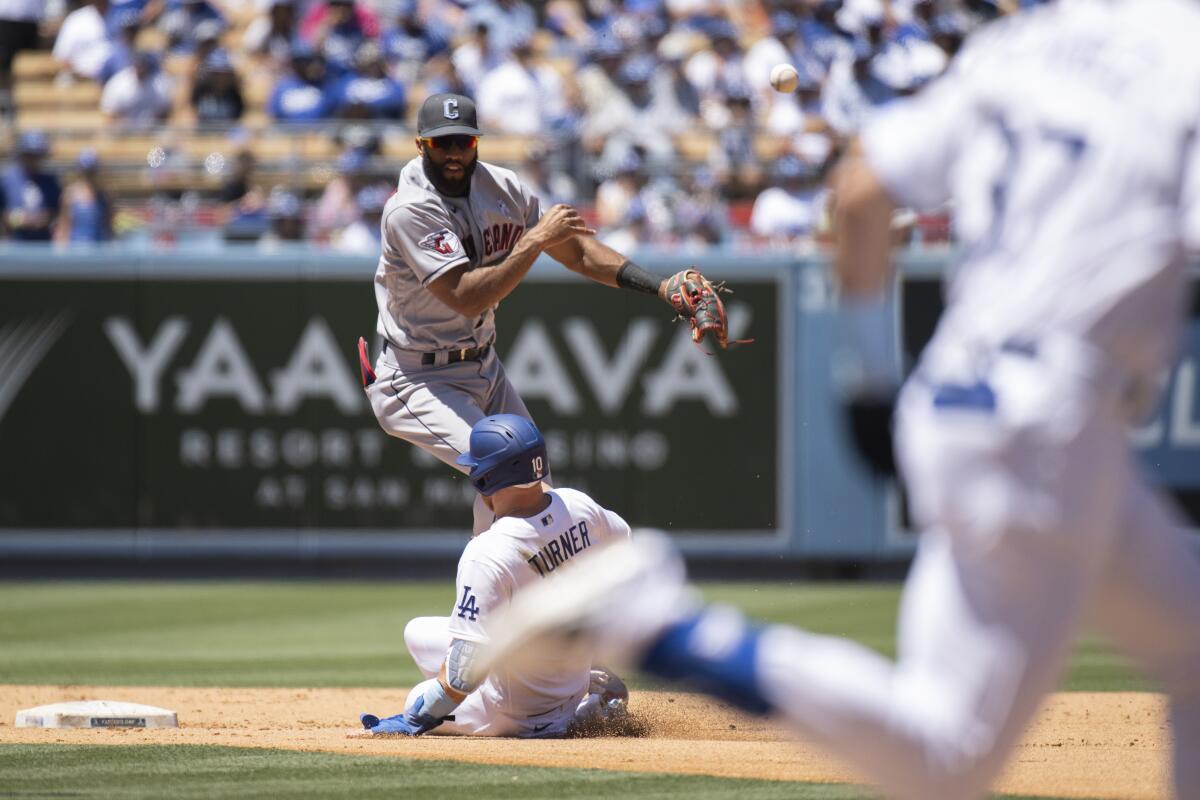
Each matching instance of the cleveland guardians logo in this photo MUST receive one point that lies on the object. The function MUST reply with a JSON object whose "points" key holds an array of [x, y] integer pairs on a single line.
{"points": [[450, 109], [443, 242]]}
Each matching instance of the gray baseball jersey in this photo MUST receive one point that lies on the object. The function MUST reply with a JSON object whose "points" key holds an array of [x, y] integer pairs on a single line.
{"points": [[426, 234]]}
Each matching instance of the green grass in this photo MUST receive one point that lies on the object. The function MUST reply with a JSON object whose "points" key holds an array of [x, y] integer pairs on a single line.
{"points": [[184, 771], [348, 634], [343, 634]]}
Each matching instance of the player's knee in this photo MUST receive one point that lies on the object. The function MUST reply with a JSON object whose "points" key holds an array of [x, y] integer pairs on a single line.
{"points": [[420, 635]]}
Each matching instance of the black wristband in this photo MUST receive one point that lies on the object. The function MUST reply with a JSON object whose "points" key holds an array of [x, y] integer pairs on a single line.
{"points": [[631, 276]]}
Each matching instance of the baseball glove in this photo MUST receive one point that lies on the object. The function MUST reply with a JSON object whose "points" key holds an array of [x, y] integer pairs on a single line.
{"points": [[698, 300]]}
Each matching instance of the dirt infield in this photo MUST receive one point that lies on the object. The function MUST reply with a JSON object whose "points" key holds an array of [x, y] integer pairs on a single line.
{"points": [[1109, 745]]}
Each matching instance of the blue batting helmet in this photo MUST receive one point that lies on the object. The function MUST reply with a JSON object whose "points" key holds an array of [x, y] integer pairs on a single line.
{"points": [[506, 450]]}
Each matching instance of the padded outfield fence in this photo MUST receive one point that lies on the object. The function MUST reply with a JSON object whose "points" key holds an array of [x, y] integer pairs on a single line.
{"points": [[170, 404]]}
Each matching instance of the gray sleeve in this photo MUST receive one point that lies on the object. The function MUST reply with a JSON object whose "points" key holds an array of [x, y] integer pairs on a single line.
{"points": [[461, 672], [420, 233], [533, 206]]}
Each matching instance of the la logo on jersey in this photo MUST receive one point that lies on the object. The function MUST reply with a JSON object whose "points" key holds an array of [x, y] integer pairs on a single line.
{"points": [[443, 242], [450, 109], [468, 608]]}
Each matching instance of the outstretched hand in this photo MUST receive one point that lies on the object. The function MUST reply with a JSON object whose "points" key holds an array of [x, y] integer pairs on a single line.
{"points": [[560, 223]]}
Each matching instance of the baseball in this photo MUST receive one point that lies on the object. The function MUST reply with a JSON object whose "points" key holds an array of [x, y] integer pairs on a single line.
{"points": [[785, 78]]}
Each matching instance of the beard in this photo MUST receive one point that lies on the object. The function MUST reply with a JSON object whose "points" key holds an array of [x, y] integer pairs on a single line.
{"points": [[451, 187]]}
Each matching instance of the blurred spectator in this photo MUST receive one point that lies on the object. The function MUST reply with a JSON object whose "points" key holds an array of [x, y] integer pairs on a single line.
{"points": [[216, 95], [146, 12], [567, 20], [650, 117], [475, 57], [361, 137], [917, 21], [31, 194], [852, 90], [548, 182], [269, 36], [631, 231], [734, 159], [139, 94], [509, 22], [823, 39], [769, 51], [368, 92], [794, 208], [128, 26], [336, 29], [86, 213], [205, 40], [84, 44], [409, 42], [244, 203], [335, 208], [700, 214], [603, 101], [303, 94], [616, 193], [19, 21], [364, 234], [285, 215], [715, 70], [521, 96], [948, 31], [670, 79], [189, 22]]}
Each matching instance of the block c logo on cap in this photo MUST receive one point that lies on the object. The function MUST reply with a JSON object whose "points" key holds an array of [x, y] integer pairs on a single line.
{"points": [[450, 109]]}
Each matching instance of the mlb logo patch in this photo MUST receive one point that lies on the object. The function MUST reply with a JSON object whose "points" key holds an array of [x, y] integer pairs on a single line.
{"points": [[443, 242], [548, 520]]}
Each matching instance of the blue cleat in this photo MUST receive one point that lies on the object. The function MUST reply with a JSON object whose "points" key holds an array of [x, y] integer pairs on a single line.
{"points": [[369, 721]]}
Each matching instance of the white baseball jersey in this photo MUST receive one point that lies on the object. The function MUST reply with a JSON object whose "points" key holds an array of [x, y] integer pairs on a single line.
{"points": [[515, 552], [1066, 138], [1072, 194], [426, 234]]}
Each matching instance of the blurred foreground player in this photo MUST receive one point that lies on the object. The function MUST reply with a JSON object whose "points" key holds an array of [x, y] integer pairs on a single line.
{"points": [[536, 532], [1076, 183]]}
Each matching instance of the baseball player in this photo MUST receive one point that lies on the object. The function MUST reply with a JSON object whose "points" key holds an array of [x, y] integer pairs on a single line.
{"points": [[536, 533], [1076, 182], [459, 234]]}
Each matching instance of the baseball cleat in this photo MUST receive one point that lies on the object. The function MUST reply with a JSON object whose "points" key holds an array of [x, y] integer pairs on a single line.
{"points": [[613, 606], [369, 721]]}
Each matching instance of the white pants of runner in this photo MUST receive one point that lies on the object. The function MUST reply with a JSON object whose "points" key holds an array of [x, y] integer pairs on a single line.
{"points": [[435, 407], [428, 639], [1034, 521]]}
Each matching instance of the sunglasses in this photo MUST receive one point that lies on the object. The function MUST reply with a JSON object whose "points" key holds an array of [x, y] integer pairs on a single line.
{"points": [[460, 141]]}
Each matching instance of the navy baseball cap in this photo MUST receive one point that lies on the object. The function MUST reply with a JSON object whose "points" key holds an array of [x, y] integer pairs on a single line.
{"points": [[33, 142], [445, 114]]}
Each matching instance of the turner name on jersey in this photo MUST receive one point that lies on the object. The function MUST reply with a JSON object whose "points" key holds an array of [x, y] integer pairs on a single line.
{"points": [[516, 551], [571, 541]]}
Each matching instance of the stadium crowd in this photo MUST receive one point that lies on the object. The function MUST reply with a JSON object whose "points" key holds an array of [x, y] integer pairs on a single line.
{"points": [[654, 116]]}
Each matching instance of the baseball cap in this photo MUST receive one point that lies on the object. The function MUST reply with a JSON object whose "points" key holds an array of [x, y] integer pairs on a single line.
{"points": [[33, 142], [371, 199], [445, 114], [352, 160], [88, 159], [217, 61]]}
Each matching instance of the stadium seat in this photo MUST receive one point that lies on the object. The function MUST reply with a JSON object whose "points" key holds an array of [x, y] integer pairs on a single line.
{"points": [[34, 65], [41, 94]]}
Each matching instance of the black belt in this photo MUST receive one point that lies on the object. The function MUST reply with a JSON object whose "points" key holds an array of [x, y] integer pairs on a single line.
{"points": [[454, 356]]}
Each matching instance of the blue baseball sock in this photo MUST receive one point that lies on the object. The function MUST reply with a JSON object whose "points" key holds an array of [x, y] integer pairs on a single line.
{"points": [[716, 652]]}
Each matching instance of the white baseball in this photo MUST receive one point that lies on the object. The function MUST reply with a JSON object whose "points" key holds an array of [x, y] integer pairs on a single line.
{"points": [[785, 78]]}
